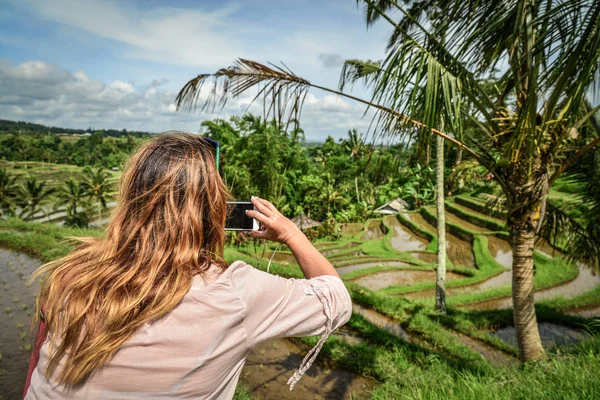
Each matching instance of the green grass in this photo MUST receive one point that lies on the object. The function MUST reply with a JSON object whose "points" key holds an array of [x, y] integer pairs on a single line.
{"points": [[437, 365], [487, 267], [478, 205], [488, 223], [591, 298], [549, 272]]}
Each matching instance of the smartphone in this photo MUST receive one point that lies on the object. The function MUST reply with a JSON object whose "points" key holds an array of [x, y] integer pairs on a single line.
{"points": [[237, 220]]}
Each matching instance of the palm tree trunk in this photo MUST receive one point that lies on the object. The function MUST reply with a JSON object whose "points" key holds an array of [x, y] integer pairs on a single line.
{"points": [[528, 335], [459, 155], [440, 274]]}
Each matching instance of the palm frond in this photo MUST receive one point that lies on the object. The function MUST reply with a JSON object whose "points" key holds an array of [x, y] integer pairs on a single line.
{"points": [[356, 70], [282, 92]]}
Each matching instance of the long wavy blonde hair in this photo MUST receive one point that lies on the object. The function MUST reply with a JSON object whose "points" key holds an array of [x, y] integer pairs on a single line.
{"points": [[168, 226]]}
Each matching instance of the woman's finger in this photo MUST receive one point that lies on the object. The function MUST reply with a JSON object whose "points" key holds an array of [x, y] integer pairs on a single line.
{"points": [[269, 205], [260, 217], [261, 207]]}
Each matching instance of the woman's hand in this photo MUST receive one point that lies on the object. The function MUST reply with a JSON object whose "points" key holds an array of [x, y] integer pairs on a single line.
{"points": [[275, 226]]}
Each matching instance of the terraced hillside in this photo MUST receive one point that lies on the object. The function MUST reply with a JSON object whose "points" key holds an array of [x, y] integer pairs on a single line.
{"points": [[395, 345]]}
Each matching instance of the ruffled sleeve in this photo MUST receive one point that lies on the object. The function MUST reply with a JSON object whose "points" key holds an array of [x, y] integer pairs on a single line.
{"points": [[277, 307]]}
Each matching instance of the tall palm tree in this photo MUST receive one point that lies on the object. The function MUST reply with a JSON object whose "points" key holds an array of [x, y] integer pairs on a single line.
{"points": [[552, 51], [8, 193], [97, 186], [32, 195]]}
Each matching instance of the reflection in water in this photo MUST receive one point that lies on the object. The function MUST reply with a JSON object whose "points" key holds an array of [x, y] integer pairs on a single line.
{"points": [[17, 303], [460, 252], [551, 334], [374, 230], [501, 251], [403, 239]]}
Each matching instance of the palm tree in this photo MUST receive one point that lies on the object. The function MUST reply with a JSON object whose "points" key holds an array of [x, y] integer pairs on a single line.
{"points": [[97, 186], [552, 51], [32, 195], [8, 193], [355, 146], [73, 194]]}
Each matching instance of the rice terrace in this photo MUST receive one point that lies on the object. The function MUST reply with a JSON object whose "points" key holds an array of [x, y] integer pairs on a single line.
{"points": [[446, 163]]}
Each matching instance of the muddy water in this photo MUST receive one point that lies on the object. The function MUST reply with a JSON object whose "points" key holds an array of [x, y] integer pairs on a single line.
{"points": [[502, 279], [585, 281], [338, 249], [351, 229], [269, 367], [501, 251], [460, 252], [17, 305], [403, 239], [381, 280], [356, 267], [374, 230], [551, 334]]}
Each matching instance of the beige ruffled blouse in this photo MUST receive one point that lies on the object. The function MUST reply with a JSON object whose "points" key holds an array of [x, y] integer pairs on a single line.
{"points": [[198, 350]]}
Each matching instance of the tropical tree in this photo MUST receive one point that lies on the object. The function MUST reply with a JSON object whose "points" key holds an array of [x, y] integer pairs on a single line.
{"points": [[74, 196], [97, 186], [8, 193], [552, 51], [32, 195]]}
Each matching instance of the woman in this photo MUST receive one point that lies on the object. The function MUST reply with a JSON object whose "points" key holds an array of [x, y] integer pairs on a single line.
{"points": [[153, 311]]}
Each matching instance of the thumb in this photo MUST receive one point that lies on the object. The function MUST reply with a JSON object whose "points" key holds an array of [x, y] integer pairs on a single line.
{"points": [[258, 234]]}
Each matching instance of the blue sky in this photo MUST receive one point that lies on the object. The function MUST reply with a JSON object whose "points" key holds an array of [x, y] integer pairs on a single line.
{"points": [[119, 64]]}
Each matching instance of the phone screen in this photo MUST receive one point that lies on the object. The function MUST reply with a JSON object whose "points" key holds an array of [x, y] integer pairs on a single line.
{"points": [[237, 220]]}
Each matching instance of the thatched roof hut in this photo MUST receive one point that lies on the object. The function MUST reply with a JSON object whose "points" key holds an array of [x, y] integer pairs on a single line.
{"points": [[393, 207], [303, 222]]}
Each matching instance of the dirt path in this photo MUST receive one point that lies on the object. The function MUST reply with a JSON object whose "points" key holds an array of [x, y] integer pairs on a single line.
{"points": [[492, 355], [269, 367]]}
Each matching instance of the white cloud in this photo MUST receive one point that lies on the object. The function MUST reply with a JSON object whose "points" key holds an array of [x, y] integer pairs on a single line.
{"points": [[170, 35], [44, 93], [195, 37]]}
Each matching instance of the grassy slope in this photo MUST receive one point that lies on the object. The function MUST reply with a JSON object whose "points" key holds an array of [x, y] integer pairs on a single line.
{"points": [[440, 368]]}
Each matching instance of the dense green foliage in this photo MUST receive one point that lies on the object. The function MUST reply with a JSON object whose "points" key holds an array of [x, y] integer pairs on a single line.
{"points": [[96, 149], [345, 180]]}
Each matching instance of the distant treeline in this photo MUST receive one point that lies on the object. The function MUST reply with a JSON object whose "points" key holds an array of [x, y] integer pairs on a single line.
{"points": [[96, 149], [23, 127]]}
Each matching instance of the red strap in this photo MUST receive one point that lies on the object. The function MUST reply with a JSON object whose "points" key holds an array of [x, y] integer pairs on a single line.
{"points": [[35, 354]]}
